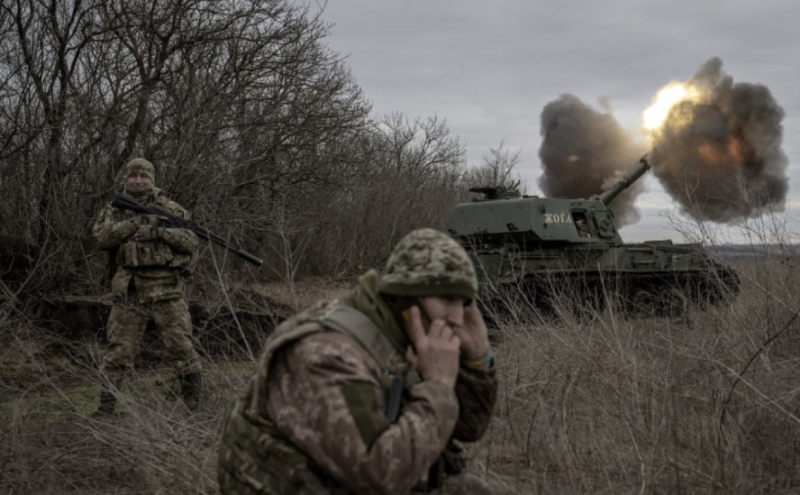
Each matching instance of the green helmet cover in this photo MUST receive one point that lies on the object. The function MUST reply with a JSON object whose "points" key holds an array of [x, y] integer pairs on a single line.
{"points": [[141, 166], [426, 263]]}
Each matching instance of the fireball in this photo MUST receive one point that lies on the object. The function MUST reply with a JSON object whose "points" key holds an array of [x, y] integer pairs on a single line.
{"points": [[665, 99], [729, 154]]}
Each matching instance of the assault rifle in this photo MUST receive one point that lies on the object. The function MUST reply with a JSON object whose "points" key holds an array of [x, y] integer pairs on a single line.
{"points": [[124, 202]]}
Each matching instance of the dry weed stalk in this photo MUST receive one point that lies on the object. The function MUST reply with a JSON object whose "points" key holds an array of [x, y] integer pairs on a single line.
{"points": [[613, 404], [599, 402]]}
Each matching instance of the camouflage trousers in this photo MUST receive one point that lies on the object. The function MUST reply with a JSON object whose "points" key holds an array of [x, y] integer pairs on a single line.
{"points": [[127, 324]]}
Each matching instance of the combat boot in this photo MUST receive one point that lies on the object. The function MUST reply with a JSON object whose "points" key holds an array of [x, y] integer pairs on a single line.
{"points": [[190, 390]]}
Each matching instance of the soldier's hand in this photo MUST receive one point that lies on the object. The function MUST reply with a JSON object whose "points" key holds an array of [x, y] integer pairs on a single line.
{"points": [[148, 233], [435, 354], [146, 219], [125, 228], [474, 335]]}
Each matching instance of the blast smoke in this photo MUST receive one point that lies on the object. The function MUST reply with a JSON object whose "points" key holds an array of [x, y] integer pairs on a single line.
{"points": [[719, 154], [585, 151]]}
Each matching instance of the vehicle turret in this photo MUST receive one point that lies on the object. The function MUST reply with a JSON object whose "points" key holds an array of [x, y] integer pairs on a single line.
{"points": [[505, 215]]}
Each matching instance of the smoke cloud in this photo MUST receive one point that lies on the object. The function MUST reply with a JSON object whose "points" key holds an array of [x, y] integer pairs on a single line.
{"points": [[719, 153], [584, 151]]}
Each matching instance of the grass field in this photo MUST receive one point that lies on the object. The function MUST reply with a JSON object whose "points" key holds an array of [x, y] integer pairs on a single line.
{"points": [[706, 402]]}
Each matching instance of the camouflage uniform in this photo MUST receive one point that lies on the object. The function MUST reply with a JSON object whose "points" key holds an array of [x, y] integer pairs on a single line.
{"points": [[148, 281], [314, 417]]}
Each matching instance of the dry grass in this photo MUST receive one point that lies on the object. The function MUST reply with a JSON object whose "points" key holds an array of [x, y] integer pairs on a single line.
{"points": [[615, 405], [303, 293], [696, 404], [153, 445]]}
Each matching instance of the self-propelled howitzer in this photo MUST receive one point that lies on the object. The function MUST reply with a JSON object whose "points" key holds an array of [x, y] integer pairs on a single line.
{"points": [[554, 252]]}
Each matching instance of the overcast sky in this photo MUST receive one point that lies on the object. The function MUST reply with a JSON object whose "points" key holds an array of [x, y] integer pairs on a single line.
{"points": [[489, 67]]}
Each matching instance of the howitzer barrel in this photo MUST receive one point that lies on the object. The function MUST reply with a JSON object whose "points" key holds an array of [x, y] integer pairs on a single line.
{"points": [[608, 195]]}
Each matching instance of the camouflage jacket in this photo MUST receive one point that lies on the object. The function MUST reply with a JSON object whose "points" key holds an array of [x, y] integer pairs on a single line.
{"points": [[146, 271], [325, 394]]}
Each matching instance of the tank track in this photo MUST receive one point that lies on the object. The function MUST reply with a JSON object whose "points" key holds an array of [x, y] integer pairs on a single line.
{"points": [[652, 293]]}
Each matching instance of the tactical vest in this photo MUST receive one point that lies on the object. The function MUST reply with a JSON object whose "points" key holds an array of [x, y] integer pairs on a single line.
{"points": [[145, 255], [255, 458]]}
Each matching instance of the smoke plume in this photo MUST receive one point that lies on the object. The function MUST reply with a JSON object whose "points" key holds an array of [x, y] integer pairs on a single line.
{"points": [[718, 152], [585, 151]]}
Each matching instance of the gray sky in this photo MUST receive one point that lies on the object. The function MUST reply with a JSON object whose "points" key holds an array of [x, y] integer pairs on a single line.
{"points": [[489, 67]]}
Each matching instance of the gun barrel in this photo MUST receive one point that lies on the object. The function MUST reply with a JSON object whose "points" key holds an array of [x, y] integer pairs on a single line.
{"points": [[608, 195], [249, 257], [127, 203]]}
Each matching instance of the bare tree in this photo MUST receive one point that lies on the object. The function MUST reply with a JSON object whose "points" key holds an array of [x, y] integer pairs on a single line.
{"points": [[411, 176], [497, 169], [235, 102], [252, 122]]}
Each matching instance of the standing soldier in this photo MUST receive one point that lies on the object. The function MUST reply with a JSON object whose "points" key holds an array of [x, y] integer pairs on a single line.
{"points": [[148, 264], [368, 395]]}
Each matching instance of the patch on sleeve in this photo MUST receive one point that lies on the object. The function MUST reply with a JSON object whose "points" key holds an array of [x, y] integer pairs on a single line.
{"points": [[362, 401]]}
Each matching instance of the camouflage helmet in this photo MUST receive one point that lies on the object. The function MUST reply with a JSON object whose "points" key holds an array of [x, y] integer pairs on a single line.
{"points": [[141, 166], [427, 262]]}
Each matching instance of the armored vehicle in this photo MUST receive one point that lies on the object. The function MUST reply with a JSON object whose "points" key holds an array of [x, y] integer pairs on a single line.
{"points": [[550, 251]]}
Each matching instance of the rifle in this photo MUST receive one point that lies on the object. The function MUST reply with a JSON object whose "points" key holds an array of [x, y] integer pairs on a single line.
{"points": [[124, 202]]}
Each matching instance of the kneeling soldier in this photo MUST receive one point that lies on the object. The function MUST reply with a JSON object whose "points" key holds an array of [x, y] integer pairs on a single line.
{"points": [[369, 394]]}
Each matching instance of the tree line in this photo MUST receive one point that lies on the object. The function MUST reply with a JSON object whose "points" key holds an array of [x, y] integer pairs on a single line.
{"points": [[253, 123]]}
